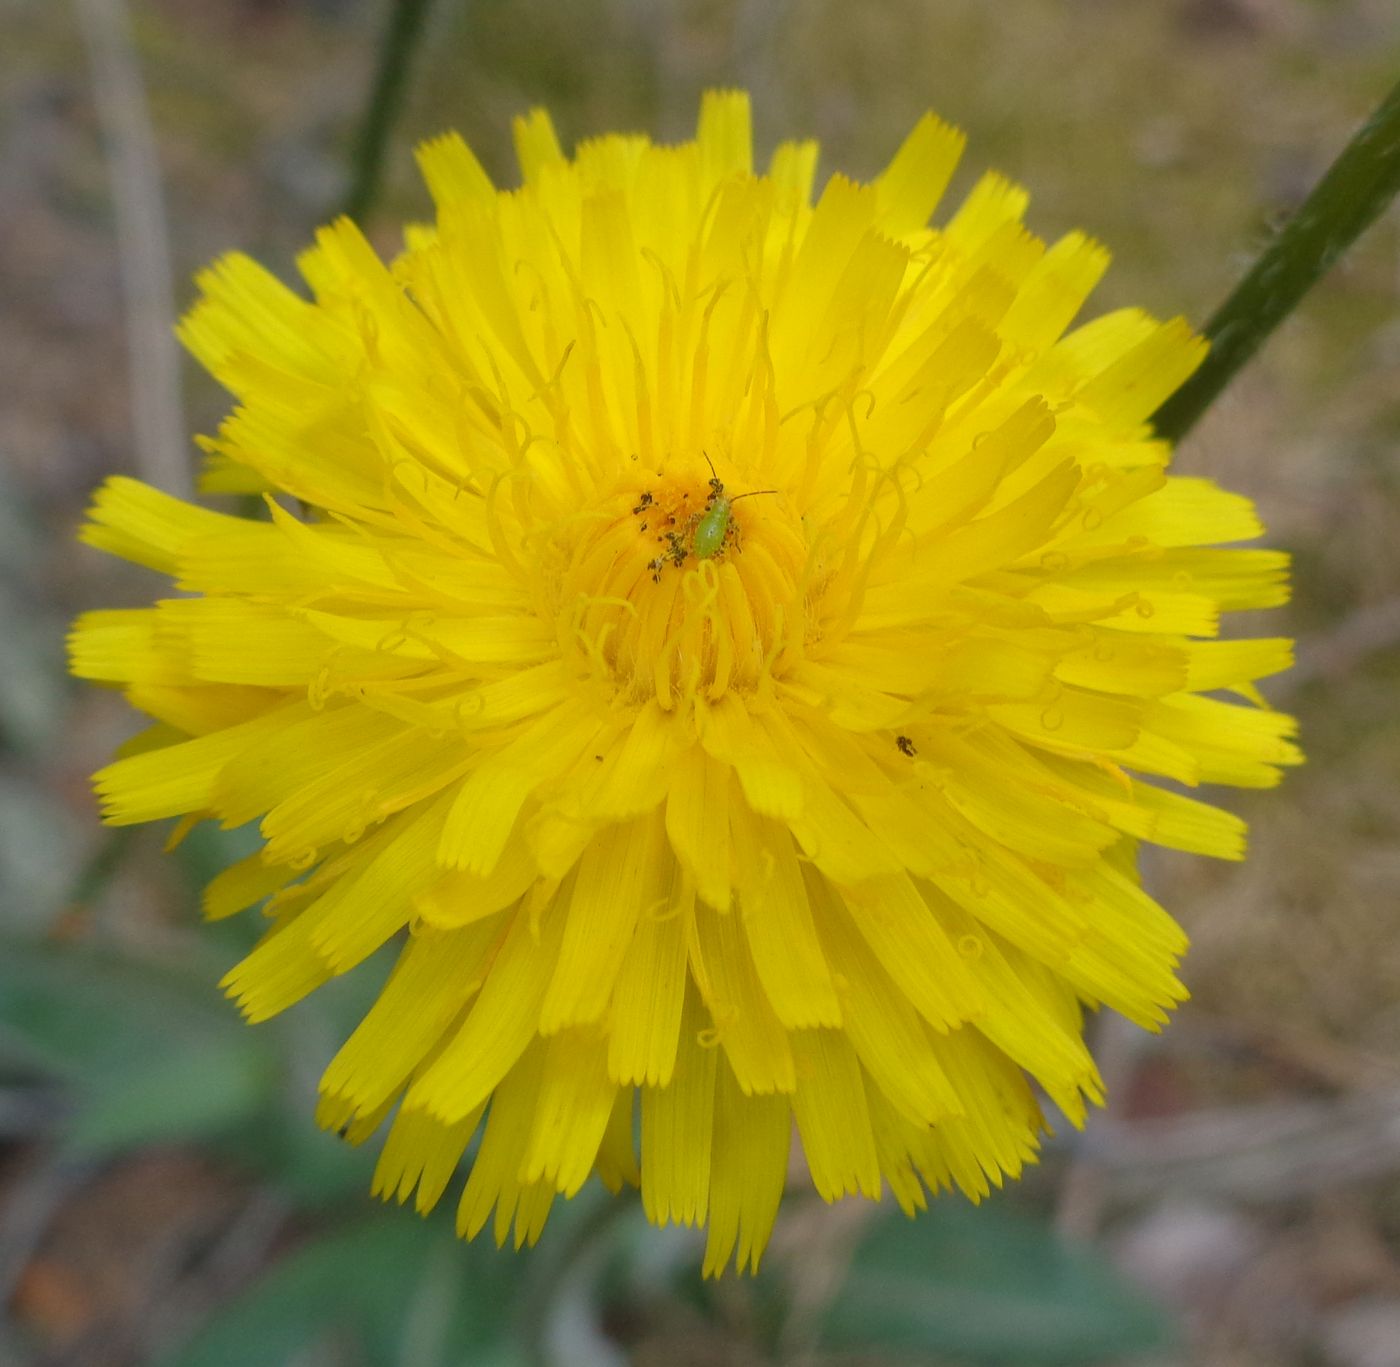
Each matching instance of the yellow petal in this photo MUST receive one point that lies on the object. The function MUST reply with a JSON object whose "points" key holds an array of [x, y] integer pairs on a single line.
{"points": [[677, 1130], [748, 1171], [832, 1117]]}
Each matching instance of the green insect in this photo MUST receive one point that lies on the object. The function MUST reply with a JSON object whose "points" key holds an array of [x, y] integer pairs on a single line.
{"points": [[712, 530]]}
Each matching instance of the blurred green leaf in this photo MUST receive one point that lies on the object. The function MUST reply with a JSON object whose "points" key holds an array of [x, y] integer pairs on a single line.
{"points": [[312, 1169], [180, 1092], [985, 1285], [80, 1012], [149, 1054], [396, 1291]]}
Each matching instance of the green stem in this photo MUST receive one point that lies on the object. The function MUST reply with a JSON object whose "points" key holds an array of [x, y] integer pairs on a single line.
{"points": [[539, 1298], [1357, 187], [404, 28]]}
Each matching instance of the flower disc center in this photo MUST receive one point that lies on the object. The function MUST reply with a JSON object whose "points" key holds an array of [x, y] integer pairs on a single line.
{"points": [[682, 586]]}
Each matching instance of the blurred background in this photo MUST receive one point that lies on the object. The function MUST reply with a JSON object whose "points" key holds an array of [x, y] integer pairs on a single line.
{"points": [[164, 1195]]}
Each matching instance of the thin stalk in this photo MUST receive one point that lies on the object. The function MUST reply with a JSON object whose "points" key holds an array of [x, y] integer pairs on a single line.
{"points": [[161, 450], [99, 869], [404, 28], [1357, 187]]}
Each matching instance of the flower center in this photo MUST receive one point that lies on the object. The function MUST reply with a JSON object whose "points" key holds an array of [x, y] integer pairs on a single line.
{"points": [[681, 587]]}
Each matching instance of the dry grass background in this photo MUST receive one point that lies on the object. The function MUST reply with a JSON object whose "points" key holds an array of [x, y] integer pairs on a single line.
{"points": [[1248, 1168]]}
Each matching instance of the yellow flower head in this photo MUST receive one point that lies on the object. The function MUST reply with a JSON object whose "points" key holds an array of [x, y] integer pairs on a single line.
{"points": [[727, 640]]}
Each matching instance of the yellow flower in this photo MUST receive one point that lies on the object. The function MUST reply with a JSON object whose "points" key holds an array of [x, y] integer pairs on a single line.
{"points": [[732, 636]]}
